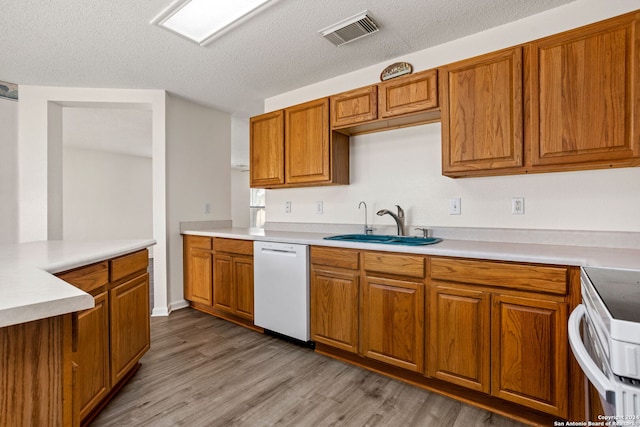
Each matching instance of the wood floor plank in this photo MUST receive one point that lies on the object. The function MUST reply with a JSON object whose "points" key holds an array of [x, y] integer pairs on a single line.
{"points": [[203, 371]]}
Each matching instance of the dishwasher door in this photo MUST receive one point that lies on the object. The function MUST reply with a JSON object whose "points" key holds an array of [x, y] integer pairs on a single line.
{"points": [[281, 288]]}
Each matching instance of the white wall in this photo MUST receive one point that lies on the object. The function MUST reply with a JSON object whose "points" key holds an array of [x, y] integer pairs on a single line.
{"points": [[240, 191], [198, 173], [8, 171], [404, 166], [35, 172], [240, 195], [106, 195], [106, 173]]}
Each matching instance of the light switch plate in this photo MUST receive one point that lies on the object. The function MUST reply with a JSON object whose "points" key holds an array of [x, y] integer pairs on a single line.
{"points": [[454, 206]]}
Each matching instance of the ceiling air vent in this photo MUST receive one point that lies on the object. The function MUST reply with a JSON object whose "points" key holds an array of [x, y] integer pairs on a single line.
{"points": [[350, 29]]}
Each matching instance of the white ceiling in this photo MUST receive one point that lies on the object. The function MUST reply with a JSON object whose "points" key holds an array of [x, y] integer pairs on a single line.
{"points": [[111, 44]]}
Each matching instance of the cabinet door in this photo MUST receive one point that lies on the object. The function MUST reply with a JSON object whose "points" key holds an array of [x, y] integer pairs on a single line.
{"points": [[92, 356], [223, 282], [393, 322], [334, 308], [459, 336], [130, 339], [243, 284], [267, 149], [482, 121], [307, 142], [587, 99], [199, 277], [529, 353], [408, 94], [355, 106]]}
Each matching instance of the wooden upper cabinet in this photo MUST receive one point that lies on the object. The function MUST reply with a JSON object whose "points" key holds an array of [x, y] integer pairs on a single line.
{"points": [[585, 94], [267, 149], [307, 142], [482, 113], [408, 94], [355, 106], [295, 147]]}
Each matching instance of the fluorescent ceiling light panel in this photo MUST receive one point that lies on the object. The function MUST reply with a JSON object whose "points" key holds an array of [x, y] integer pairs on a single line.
{"points": [[202, 21]]}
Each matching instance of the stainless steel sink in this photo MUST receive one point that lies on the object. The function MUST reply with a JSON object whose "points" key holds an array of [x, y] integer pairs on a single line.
{"points": [[385, 239]]}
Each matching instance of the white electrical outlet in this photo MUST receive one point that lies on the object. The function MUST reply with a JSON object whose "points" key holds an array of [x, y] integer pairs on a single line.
{"points": [[517, 206], [287, 207], [454, 206], [207, 208], [319, 207]]}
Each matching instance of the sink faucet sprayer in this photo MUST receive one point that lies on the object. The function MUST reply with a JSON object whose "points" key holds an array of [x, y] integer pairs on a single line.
{"points": [[367, 229], [399, 218]]}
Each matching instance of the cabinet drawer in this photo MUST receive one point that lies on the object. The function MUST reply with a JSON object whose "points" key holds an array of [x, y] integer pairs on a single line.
{"points": [[406, 95], [88, 278], [402, 265], [200, 242], [335, 257], [514, 276], [129, 264], [354, 106], [234, 246]]}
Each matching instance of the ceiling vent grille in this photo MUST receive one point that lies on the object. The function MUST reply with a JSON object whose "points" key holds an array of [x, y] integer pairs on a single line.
{"points": [[350, 29]]}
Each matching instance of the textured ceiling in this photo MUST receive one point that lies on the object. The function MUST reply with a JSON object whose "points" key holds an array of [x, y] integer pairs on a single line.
{"points": [[111, 44]]}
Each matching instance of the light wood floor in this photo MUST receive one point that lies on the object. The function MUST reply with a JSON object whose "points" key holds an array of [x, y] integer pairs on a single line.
{"points": [[203, 371]]}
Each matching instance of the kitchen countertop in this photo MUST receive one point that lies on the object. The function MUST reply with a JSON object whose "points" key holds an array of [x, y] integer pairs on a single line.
{"points": [[519, 252], [29, 290]]}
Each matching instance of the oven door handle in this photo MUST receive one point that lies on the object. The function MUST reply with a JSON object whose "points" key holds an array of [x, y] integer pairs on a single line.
{"points": [[589, 367]]}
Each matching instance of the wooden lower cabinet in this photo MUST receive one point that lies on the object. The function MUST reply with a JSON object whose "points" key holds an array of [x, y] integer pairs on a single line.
{"points": [[233, 285], [243, 278], [335, 297], [459, 336], [198, 269], [218, 277], [223, 282], [369, 305], [511, 347], [92, 355], [486, 332], [494, 329], [393, 322], [334, 307], [130, 333], [36, 366], [233, 277], [113, 335], [530, 353]]}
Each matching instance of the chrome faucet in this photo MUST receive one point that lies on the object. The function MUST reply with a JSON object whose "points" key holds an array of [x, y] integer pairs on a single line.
{"points": [[367, 229], [399, 218]]}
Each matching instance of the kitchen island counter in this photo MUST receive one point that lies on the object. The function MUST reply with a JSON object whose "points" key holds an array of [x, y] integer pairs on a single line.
{"points": [[29, 290]]}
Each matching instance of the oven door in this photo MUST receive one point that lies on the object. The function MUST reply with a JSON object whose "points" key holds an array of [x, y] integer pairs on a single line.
{"points": [[590, 355]]}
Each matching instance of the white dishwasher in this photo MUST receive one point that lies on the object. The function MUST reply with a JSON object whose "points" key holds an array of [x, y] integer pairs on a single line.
{"points": [[281, 288]]}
